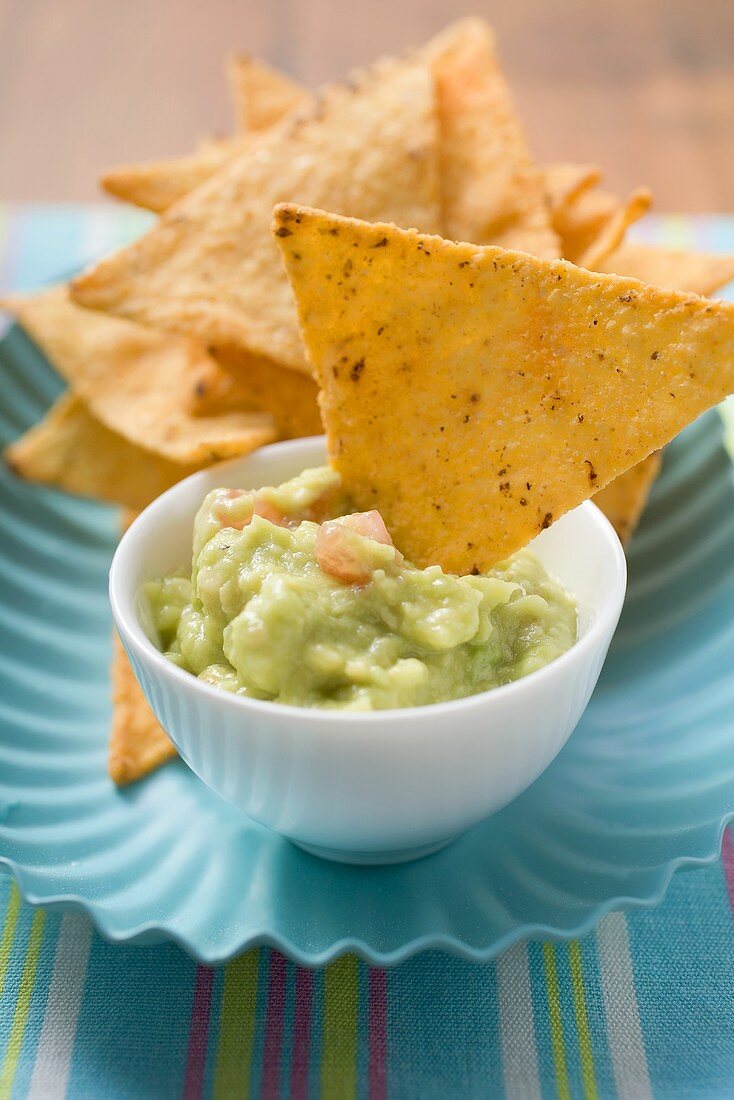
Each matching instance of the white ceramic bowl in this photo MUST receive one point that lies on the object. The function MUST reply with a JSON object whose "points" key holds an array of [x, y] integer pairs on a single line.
{"points": [[379, 787]]}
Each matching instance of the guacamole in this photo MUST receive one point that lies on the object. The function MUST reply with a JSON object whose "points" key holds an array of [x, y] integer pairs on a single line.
{"points": [[295, 600]]}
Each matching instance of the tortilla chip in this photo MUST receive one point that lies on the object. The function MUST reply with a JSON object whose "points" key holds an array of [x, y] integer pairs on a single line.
{"points": [[127, 518], [673, 268], [136, 381], [565, 182], [580, 222], [493, 192], [70, 450], [473, 395], [210, 268], [612, 233], [212, 141], [623, 500], [492, 189], [703, 273], [234, 379], [261, 95], [158, 184], [138, 743]]}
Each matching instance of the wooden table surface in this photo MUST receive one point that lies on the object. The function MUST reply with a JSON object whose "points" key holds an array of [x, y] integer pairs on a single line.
{"points": [[643, 87]]}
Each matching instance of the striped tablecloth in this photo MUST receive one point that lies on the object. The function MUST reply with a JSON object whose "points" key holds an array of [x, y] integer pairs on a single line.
{"points": [[642, 1007]]}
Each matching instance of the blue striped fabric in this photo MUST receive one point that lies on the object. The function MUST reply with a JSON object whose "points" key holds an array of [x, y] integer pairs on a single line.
{"points": [[644, 1006], [447, 1035]]}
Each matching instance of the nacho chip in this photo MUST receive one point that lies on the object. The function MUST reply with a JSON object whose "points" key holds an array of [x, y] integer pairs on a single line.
{"points": [[492, 189], [623, 500], [493, 192], [473, 395], [212, 142], [565, 182], [234, 379], [261, 95], [210, 268], [69, 449], [580, 222], [136, 381], [703, 273], [138, 743], [672, 268], [127, 518], [612, 233], [158, 184]]}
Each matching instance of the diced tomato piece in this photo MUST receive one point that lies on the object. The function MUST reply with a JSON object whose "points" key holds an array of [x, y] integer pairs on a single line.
{"points": [[269, 512], [222, 513], [370, 524], [336, 555], [336, 552], [260, 507]]}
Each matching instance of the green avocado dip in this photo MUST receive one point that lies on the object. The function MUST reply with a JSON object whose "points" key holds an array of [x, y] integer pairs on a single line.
{"points": [[294, 600]]}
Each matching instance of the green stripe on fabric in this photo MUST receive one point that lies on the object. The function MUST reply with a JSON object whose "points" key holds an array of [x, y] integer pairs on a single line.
{"points": [[20, 1018], [586, 1056], [556, 1022], [236, 1028], [341, 1019], [10, 923]]}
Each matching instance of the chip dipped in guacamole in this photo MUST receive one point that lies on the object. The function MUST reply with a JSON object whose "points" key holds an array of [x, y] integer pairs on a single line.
{"points": [[293, 598]]}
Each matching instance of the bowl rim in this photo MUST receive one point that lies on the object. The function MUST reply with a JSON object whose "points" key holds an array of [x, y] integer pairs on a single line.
{"points": [[134, 637]]}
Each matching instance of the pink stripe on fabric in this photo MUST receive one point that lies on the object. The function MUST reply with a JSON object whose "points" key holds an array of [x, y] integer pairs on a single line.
{"points": [[301, 1034], [727, 855], [378, 1034], [198, 1033], [274, 1020]]}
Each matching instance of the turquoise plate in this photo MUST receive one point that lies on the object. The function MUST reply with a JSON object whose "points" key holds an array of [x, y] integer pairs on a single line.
{"points": [[644, 786]]}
